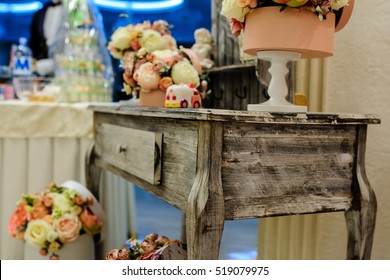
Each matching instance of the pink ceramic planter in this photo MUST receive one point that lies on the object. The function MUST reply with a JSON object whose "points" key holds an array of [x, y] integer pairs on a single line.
{"points": [[154, 98], [290, 30]]}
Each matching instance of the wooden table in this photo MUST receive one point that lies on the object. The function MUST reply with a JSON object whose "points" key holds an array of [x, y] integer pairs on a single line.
{"points": [[218, 165]]}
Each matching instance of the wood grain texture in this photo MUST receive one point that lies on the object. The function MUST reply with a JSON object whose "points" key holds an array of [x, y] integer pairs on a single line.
{"points": [[272, 170], [238, 116], [134, 150], [205, 211]]}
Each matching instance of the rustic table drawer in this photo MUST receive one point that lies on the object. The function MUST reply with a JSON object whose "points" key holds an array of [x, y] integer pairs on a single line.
{"points": [[136, 151]]}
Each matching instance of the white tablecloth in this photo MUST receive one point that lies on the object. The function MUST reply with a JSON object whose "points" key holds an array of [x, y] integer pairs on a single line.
{"points": [[47, 142]]}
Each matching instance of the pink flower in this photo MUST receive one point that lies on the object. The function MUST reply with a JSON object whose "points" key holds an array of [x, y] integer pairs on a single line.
{"points": [[39, 211], [17, 220], [46, 201], [152, 236], [78, 200], [91, 223], [112, 255], [148, 245], [54, 257], [237, 26], [123, 254], [135, 45]]}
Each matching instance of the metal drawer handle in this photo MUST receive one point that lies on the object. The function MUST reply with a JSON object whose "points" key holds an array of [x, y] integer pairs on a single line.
{"points": [[122, 148]]}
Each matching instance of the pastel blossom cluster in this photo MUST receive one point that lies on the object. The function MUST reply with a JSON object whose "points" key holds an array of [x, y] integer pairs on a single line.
{"points": [[148, 249], [151, 59], [53, 218], [236, 10]]}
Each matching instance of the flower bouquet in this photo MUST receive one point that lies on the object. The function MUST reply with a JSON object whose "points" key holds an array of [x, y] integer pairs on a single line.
{"points": [[152, 61], [153, 247], [54, 218]]}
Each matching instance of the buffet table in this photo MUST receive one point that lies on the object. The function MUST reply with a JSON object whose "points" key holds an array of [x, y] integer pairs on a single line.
{"points": [[218, 165], [48, 142]]}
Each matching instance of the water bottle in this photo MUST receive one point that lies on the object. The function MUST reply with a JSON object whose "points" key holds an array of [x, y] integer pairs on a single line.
{"points": [[22, 60], [22, 70]]}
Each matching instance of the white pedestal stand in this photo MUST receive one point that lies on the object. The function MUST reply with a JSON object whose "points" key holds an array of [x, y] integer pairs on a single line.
{"points": [[278, 89]]}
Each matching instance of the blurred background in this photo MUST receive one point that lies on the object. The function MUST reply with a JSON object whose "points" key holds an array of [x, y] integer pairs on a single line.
{"points": [[185, 16]]}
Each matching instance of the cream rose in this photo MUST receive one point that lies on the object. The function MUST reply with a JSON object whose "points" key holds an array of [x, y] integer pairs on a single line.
{"points": [[232, 9], [52, 235], [184, 72], [37, 232], [68, 227], [163, 54], [338, 4], [152, 40], [120, 39], [169, 42], [62, 203]]}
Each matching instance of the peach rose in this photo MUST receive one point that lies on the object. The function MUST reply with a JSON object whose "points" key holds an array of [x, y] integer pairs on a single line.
{"points": [[68, 227], [39, 211], [165, 83], [146, 77]]}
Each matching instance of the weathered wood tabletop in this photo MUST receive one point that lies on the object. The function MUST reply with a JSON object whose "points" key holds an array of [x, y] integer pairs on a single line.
{"points": [[218, 165]]}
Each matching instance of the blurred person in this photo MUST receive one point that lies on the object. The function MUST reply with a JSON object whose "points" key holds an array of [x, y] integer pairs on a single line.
{"points": [[46, 31]]}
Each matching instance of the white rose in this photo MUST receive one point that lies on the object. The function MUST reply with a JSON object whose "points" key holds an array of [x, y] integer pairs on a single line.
{"points": [[338, 4], [152, 40], [52, 235], [163, 54], [62, 203], [184, 72], [231, 9], [121, 38], [37, 232]]}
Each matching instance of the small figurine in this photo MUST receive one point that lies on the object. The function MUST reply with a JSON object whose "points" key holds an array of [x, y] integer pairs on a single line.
{"points": [[183, 96], [203, 47]]}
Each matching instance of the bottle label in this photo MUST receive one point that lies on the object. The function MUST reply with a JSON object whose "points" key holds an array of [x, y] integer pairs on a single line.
{"points": [[22, 66]]}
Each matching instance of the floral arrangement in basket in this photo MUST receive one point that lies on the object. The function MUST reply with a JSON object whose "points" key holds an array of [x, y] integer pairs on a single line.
{"points": [[150, 248], [151, 59], [236, 10], [53, 218]]}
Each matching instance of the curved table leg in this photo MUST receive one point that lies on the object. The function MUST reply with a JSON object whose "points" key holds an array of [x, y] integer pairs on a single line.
{"points": [[92, 176], [362, 215], [205, 213], [92, 172]]}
